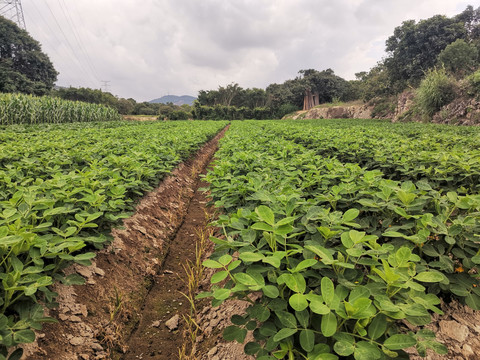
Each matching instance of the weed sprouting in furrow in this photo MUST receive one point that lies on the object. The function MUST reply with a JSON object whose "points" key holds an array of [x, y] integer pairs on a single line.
{"points": [[194, 273]]}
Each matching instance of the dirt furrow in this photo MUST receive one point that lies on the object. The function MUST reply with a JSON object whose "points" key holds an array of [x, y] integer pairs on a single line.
{"points": [[165, 304]]}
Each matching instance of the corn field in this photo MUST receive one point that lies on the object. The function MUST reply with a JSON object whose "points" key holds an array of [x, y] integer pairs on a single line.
{"points": [[27, 109]]}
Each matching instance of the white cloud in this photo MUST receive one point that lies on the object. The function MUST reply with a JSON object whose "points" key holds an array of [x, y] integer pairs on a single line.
{"points": [[149, 48]]}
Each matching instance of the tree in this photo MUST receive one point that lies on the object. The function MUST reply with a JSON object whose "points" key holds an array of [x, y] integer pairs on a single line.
{"points": [[414, 47], [228, 93], [125, 106], [328, 85], [470, 17], [375, 83], [23, 65], [459, 58]]}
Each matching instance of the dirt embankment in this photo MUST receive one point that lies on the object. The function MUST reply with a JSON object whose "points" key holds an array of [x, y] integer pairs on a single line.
{"points": [[96, 319], [353, 111], [401, 108]]}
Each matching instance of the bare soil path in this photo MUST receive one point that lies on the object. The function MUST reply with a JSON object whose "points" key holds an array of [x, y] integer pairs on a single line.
{"points": [[152, 339]]}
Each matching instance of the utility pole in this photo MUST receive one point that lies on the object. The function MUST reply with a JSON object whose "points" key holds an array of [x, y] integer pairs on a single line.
{"points": [[105, 85], [12, 10]]}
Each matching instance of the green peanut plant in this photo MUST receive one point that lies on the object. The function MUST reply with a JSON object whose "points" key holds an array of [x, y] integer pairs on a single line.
{"points": [[344, 241], [62, 189]]}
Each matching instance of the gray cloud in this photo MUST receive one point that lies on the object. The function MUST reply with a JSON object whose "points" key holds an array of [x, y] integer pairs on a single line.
{"points": [[150, 48]]}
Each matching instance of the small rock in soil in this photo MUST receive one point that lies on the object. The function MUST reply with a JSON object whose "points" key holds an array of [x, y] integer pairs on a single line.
{"points": [[77, 340], [172, 324], [101, 355], [79, 309], [454, 330], [97, 347], [467, 349], [99, 272], [84, 271], [74, 318], [212, 351], [156, 324]]}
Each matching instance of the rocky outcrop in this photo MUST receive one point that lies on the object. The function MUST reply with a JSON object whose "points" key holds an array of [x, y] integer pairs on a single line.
{"points": [[461, 111], [336, 112], [404, 105]]}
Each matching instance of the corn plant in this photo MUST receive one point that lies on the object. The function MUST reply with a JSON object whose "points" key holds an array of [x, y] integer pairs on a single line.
{"points": [[27, 109]]}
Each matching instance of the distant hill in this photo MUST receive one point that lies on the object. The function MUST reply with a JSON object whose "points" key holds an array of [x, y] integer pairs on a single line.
{"points": [[176, 100]]}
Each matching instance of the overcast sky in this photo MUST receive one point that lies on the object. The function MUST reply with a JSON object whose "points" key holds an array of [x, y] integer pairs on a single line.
{"points": [[151, 48]]}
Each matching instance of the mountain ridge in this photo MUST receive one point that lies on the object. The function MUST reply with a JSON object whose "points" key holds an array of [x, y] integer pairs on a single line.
{"points": [[175, 99]]}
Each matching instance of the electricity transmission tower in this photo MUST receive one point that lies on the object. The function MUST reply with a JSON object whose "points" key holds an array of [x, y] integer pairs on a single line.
{"points": [[105, 85], [12, 10]]}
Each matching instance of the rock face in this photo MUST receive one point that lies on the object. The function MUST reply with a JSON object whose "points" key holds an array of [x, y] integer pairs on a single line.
{"points": [[337, 112], [404, 104], [461, 111]]}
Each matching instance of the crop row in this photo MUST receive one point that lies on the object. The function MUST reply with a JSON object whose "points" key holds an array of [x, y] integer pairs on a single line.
{"points": [[448, 157], [62, 188], [341, 253], [28, 109]]}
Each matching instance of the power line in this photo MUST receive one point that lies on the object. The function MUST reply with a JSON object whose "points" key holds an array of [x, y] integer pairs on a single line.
{"points": [[12, 9], [78, 38], [75, 55], [67, 62]]}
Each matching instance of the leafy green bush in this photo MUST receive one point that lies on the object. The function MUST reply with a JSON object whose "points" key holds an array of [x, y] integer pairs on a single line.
{"points": [[286, 109], [436, 90], [459, 57], [180, 115], [222, 112], [383, 108], [474, 83]]}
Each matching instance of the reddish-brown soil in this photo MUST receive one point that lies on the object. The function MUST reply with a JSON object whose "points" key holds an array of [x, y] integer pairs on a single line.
{"points": [[152, 339], [459, 330]]}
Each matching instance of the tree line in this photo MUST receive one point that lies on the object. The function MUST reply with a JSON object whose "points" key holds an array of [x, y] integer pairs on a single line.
{"points": [[441, 46], [439, 49]]}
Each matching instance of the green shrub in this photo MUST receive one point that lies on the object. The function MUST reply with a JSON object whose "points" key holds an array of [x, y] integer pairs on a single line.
{"points": [[459, 57], [222, 112], [286, 109], [436, 90], [180, 115], [383, 108], [474, 83]]}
